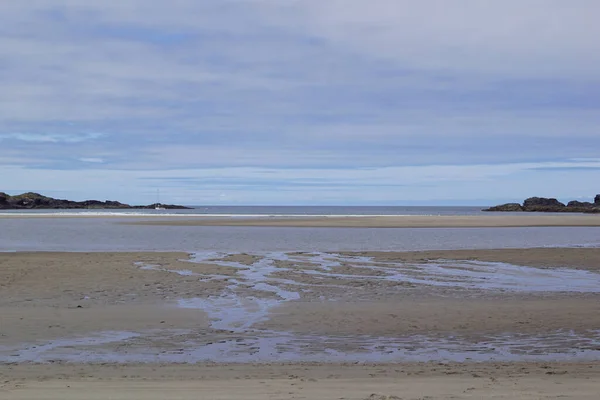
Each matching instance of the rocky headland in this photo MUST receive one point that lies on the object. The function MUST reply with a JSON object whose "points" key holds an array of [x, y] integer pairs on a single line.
{"points": [[543, 204], [32, 201]]}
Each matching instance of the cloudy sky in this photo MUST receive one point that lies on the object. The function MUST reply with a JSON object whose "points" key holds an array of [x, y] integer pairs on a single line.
{"points": [[300, 101]]}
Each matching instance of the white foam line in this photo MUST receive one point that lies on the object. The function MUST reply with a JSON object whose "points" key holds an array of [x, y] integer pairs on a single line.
{"points": [[576, 246], [296, 216]]}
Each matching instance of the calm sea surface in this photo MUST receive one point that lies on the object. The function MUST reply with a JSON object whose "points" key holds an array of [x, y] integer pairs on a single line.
{"points": [[272, 210], [107, 234]]}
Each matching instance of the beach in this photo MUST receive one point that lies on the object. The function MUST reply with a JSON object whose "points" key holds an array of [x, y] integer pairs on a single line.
{"points": [[294, 324], [314, 200], [309, 381]]}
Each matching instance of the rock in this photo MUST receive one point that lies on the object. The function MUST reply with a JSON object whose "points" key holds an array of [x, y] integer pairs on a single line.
{"points": [[30, 200], [582, 207], [580, 204], [167, 206], [543, 204], [3, 200], [506, 207]]}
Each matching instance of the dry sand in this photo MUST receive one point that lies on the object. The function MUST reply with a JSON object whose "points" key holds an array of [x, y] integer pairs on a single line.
{"points": [[420, 221], [47, 296], [311, 382]]}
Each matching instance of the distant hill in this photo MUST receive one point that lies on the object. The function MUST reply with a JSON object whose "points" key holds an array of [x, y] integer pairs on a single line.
{"points": [[32, 201]]}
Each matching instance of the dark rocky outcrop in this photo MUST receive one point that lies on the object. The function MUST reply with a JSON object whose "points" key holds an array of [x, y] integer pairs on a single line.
{"points": [[31, 201], [506, 207], [580, 204], [543, 204]]}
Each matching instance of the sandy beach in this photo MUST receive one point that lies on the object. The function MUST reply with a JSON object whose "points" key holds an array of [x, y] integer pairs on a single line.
{"points": [[135, 324], [307, 199], [314, 382], [421, 221]]}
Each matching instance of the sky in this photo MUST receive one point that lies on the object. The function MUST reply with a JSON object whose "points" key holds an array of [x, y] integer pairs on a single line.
{"points": [[300, 102]]}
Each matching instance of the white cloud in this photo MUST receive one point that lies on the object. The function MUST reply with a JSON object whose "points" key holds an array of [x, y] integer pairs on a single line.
{"points": [[104, 65], [316, 87], [328, 186], [94, 160], [530, 38], [50, 137]]}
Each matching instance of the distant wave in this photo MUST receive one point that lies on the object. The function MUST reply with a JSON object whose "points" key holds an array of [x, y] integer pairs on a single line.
{"points": [[577, 246]]}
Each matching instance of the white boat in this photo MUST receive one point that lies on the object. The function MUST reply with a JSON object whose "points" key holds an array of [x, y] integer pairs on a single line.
{"points": [[158, 206]]}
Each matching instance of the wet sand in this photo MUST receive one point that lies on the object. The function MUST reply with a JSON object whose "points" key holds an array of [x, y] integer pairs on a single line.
{"points": [[421, 221], [573, 258], [537, 310]]}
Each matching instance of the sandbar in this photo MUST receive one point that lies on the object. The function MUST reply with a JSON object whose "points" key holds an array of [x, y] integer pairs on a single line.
{"points": [[421, 221]]}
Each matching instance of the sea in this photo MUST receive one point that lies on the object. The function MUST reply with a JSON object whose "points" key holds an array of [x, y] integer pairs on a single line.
{"points": [[89, 232], [281, 211]]}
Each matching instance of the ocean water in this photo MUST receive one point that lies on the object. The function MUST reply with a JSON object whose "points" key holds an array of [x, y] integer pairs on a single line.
{"points": [[110, 234], [268, 211]]}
